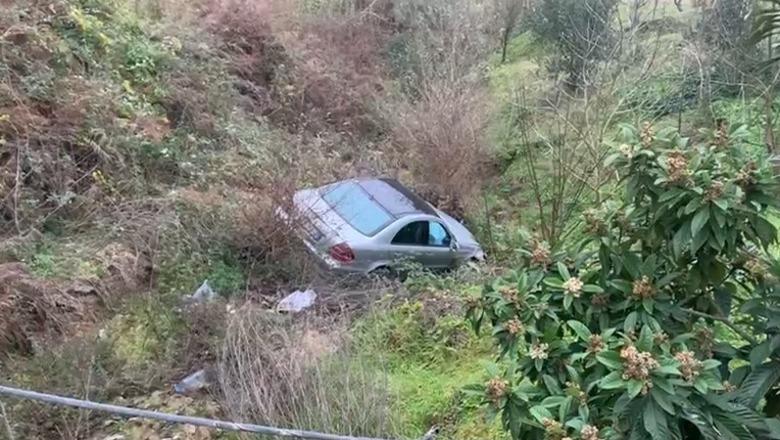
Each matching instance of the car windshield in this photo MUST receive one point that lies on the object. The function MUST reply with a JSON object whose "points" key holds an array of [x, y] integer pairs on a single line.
{"points": [[357, 207]]}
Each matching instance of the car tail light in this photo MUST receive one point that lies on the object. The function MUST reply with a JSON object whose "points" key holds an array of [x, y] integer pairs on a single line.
{"points": [[342, 253]]}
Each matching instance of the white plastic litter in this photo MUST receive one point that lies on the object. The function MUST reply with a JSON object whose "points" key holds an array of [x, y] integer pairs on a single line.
{"points": [[297, 301], [194, 382], [204, 294]]}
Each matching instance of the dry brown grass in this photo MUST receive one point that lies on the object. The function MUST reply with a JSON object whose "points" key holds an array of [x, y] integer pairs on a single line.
{"points": [[301, 373], [444, 135]]}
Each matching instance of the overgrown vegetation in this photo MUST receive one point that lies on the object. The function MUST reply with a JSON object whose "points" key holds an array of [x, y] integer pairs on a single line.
{"points": [[613, 337], [145, 144]]}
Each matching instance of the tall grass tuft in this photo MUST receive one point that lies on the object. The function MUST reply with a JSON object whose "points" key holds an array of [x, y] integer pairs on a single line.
{"points": [[294, 374]]}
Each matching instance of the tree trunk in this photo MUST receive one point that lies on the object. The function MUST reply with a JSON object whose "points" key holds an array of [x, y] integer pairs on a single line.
{"points": [[504, 44]]}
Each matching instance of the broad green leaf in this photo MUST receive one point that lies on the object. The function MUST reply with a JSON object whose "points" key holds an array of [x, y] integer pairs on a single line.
{"points": [[540, 413], [700, 421], [553, 401], [663, 400], [765, 230], [730, 429], [580, 329], [720, 219], [612, 381], [699, 240], [692, 206], [668, 278], [700, 220], [584, 412], [759, 353], [564, 409], [710, 364], [681, 339], [592, 288], [567, 301], [630, 323], [622, 285], [632, 264], [610, 359], [655, 422], [634, 388], [563, 271], [701, 385], [758, 383], [575, 424], [667, 369], [774, 428], [681, 238], [645, 341], [553, 282], [552, 385]]}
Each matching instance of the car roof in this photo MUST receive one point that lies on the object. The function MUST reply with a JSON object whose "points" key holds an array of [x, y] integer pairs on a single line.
{"points": [[394, 197]]}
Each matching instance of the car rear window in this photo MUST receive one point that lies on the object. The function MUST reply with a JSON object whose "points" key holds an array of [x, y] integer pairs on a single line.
{"points": [[357, 208]]}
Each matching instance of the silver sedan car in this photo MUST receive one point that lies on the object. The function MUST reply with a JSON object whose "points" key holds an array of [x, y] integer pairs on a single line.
{"points": [[370, 224]]}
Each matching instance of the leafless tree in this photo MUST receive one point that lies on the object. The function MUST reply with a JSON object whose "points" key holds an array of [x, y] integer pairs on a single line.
{"points": [[508, 13]]}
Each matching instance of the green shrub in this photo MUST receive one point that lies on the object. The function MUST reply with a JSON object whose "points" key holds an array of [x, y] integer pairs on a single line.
{"points": [[616, 337]]}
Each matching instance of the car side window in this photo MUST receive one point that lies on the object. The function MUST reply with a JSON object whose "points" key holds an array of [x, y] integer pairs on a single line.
{"points": [[437, 235], [415, 233], [423, 234]]}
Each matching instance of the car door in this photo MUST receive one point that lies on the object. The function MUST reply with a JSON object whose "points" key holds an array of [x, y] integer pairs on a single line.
{"points": [[426, 242]]}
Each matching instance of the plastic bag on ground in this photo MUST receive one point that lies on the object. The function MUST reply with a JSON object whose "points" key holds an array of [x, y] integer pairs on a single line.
{"points": [[297, 301], [192, 383], [204, 294]]}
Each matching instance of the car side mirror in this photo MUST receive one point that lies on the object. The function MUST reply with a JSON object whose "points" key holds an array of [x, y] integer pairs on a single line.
{"points": [[454, 245]]}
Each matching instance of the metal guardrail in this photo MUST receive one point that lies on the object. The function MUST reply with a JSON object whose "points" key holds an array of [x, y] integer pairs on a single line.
{"points": [[187, 420]]}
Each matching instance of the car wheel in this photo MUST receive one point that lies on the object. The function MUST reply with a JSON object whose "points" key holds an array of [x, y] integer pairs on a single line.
{"points": [[383, 272], [390, 274]]}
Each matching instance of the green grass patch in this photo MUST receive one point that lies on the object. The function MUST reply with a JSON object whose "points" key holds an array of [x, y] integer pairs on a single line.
{"points": [[430, 353]]}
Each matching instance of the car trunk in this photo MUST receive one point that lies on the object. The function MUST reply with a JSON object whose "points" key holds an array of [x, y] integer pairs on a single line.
{"points": [[320, 225]]}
